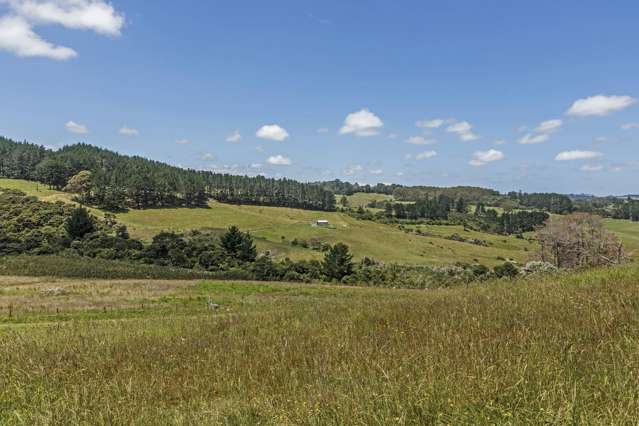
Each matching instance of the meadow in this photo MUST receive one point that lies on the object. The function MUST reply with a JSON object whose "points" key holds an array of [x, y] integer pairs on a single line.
{"points": [[560, 349], [275, 228]]}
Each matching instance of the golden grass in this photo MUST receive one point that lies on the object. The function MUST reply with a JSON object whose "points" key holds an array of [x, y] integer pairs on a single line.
{"points": [[554, 350]]}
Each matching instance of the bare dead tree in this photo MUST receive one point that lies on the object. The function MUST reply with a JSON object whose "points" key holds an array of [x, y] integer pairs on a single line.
{"points": [[578, 240]]}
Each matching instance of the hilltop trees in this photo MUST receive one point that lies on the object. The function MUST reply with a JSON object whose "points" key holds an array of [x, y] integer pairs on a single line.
{"points": [[118, 181]]}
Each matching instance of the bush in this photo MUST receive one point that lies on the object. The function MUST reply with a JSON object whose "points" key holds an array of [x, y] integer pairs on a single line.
{"points": [[506, 270], [538, 267]]}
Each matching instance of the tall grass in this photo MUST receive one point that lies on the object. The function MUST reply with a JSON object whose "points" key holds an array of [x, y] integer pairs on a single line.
{"points": [[555, 350], [84, 267]]}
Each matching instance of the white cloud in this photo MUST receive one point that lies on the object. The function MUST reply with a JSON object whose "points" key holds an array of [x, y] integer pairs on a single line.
{"points": [[542, 132], [481, 158], [322, 130], [376, 171], [207, 156], [362, 123], [577, 155], [531, 138], [426, 154], [392, 136], [234, 137], [599, 105], [464, 130], [18, 37], [76, 128], [279, 160], [420, 140], [629, 126], [356, 168], [430, 124], [128, 131], [183, 142], [500, 142], [549, 126], [95, 15], [256, 166], [259, 148], [591, 168], [272, 132]]}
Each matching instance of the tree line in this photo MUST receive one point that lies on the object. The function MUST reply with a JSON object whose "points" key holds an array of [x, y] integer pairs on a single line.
{"points": [[118, 181]]}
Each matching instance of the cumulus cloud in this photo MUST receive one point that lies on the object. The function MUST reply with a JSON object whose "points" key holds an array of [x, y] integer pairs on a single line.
{"points": [[629, 126], [272, 132], [17, 34], [531, 138], [426, 154], [430, 124], [481, 158], [599, 105], [128, 131], [420, 140], [183, 142], [279, 160], [234, 137], [76, 128], [362, 123], [591, 168], [464, 130], [577, 155]]}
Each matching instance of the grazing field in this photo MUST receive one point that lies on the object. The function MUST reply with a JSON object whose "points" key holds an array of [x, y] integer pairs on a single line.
{"points": [[628, 232], [275, 228], [363, 199], [551, 350]]}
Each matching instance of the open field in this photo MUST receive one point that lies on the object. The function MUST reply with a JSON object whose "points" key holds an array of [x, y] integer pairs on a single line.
{"points": [[628, 232], [363, 199], [554, 350], [275, 227]]}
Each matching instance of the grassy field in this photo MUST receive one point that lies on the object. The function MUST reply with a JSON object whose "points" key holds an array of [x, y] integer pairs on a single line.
{"points": [[275, 227], [628, 232], [363, 199], [554, 350]]}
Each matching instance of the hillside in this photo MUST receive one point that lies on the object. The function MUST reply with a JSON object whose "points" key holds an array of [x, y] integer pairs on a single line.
{"points": [[544, 350], [269, 224], [383, 242]]}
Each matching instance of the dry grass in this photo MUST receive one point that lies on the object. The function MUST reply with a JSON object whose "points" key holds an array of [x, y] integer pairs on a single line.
{"points": [[557, 350]]}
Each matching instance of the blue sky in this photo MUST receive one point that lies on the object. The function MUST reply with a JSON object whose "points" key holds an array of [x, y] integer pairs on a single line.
{"points": [[538, 96]]}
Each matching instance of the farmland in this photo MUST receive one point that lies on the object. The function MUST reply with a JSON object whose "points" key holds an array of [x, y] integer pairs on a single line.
{"points": [[559, 349]]}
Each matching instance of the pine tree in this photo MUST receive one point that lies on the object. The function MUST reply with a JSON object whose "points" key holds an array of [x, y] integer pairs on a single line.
{"points": [[79, 224], [338, 262]]}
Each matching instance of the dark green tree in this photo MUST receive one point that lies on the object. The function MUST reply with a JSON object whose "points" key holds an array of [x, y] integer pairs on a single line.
{"points": [[338, 262], [80, 223], [238, 245]]}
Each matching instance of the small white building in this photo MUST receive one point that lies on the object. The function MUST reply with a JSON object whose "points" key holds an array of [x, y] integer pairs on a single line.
{"points": [[322, 222]]}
